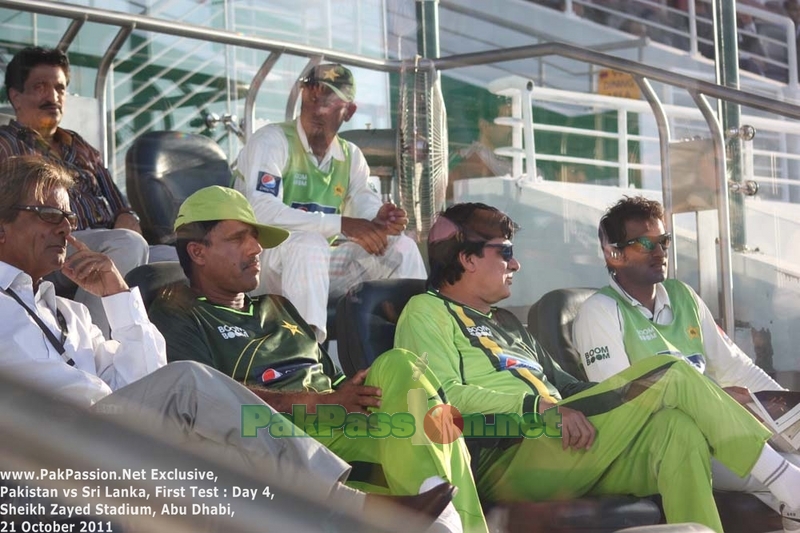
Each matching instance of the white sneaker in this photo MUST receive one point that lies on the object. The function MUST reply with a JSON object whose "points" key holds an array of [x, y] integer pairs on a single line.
{"points": [[790, 519]]}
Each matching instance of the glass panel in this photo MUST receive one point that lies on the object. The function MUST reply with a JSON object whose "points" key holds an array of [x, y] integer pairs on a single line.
{"points": [[594, 137]]}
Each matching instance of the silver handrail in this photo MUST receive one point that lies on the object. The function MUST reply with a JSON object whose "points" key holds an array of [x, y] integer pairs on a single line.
{"points": [[788, 26], [638, 70]]}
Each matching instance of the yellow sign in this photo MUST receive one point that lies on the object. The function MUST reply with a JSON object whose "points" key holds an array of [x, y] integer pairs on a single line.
{"points": [[619, 84]]}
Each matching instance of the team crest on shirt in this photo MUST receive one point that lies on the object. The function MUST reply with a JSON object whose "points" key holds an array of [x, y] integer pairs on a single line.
{"points": [[294, 329], [693, 332], [268, 183], [338, 190]]}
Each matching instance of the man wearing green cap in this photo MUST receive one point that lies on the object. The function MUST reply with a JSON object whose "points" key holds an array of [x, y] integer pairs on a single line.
{"points": [[264, 343], [51, 344], [301, 176]]}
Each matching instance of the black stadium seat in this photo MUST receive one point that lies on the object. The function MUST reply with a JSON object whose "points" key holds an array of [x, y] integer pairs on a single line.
{"points": [[162, 168], [366, 318], [153, 277], [550, 322]]}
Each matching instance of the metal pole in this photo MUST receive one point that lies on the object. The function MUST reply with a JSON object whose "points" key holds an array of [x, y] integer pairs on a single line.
{"points": [[725, 216], [107, 146], [428, 28], [726, 47], [664, 138], [252, 92]]}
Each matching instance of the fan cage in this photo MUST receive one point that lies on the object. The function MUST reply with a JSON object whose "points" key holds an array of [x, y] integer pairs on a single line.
{"points": [[422, 148]]}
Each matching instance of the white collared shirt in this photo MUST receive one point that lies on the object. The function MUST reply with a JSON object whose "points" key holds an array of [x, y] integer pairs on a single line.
{"points": [[599, 325], [267, 151], [101, 366]]}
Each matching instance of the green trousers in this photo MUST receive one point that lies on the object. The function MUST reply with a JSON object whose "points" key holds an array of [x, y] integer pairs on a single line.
{"points": [[658, 423], [404, 463]]}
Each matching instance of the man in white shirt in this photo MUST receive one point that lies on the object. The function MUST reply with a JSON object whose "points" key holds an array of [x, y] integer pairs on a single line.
{"points": [[301, 176], [641, 314], [51, 343]]}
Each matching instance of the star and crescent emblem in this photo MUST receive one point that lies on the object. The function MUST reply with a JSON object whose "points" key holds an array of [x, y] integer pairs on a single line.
{"points": [[293, 328], [331, 75]]}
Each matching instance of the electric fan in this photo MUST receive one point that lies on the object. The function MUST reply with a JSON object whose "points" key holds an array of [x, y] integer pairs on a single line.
{"points": [[421, 147]]}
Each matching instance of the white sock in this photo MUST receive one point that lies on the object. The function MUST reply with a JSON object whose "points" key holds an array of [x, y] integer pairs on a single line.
{"points": [[781, 477], [448, 521]]}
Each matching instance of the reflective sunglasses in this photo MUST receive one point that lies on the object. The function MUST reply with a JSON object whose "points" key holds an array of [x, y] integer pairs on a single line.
{"points": [[53, 215], [648, 244], [310, 83], [506, 250]]}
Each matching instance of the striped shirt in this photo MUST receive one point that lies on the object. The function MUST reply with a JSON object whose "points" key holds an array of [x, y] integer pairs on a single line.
{"points": [[95, 197]]}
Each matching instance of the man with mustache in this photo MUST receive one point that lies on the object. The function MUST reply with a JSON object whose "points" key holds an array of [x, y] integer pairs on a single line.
{"points": [[641, 314], [51, 344], [264, 343], [36, 83], [301, 176], [649, 429]]}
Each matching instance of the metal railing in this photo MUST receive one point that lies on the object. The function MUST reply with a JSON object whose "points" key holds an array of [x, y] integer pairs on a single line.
{"points": [[688, 38], [643, 74]]}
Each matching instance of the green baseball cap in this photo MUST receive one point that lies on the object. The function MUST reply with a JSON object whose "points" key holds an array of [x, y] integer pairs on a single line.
{"points": [[333, 75], [223, 203]]}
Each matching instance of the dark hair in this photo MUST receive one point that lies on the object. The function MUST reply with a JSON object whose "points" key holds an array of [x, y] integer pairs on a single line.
{"points": [[475, 224], [629, 208], [29, 58], [192, 232], [611, 229], [28, 176]]}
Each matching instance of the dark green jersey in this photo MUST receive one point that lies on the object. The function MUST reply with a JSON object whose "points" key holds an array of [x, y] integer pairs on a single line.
{"points": [[266, 344]]}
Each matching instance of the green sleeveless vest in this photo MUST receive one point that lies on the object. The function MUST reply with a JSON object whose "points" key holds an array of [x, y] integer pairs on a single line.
{"points": [[682, 338], [308, 188]]}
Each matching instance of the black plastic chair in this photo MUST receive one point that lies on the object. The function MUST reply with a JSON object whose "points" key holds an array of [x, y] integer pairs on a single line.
{"points": [[152, 278], [162, 168], [366, 318], [550, 322]]}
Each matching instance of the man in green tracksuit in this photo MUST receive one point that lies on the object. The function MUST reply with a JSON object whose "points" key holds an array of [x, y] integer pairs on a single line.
{"points": [[650, 429], [264, 343]]}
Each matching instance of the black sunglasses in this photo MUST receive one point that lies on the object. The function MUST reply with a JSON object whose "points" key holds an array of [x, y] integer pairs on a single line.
{"points": [[648, 244], [53, 215], [310, 82], [506, 250]]}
